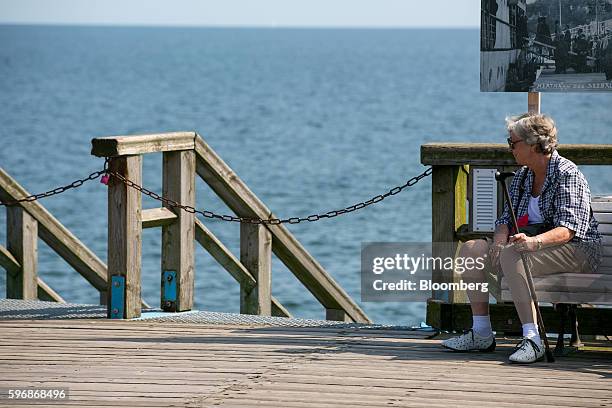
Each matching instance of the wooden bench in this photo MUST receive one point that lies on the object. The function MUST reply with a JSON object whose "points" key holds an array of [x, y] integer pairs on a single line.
{"points": [[568, 290]]}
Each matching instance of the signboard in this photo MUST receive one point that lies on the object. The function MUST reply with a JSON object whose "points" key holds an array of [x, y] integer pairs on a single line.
{"points": [[546, 46]]}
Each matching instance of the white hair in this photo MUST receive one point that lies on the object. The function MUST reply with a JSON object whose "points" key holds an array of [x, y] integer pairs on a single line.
{"points": [[535, 129]]}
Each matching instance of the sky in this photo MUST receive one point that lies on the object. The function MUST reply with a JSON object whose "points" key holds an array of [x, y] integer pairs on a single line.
{"points": [[250, 13]]}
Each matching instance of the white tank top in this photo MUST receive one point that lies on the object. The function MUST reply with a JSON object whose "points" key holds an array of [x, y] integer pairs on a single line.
{"points": [[535, 217]]}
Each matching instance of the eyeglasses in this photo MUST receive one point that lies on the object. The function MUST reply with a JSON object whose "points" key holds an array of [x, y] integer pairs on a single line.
{"points": [[511, 142]]}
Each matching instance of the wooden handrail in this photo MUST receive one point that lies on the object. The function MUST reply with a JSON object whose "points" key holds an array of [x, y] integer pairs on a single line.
{"points": [[498, 154], [241, 200], [157, 217], [8, 261], [113, 146], [45, 292]]}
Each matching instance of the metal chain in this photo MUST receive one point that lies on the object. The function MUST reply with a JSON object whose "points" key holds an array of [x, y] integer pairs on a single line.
{"points": [[272, 221], [59, 190], [209, 214]]}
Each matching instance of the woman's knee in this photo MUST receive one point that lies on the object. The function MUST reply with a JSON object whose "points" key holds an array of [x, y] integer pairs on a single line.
{"points": [[509, 254], [474, 248], [510, 261]]}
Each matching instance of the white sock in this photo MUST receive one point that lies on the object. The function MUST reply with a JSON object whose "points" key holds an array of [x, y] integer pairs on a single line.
{"points": [[530, 331], [482, 325]]}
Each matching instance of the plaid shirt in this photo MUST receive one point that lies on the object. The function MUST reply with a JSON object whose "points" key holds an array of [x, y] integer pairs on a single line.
{"points": [[565, 201]]}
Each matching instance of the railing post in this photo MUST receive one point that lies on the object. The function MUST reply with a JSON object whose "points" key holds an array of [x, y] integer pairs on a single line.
{"points": [[124, 239], [22, 243], [178, 259], [533, 102], [449, 195], [256, 256], [338, 315]]}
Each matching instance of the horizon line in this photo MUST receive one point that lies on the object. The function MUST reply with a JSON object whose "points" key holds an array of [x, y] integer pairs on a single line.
{"points": [[239, 26]]}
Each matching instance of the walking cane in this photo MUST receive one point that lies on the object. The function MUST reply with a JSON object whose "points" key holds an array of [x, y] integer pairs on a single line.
{"points": [[501, 177]]}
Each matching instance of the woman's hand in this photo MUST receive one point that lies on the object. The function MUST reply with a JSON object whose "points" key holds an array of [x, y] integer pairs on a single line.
{"points": [[494, 252], [500, 239], [524, 243]]}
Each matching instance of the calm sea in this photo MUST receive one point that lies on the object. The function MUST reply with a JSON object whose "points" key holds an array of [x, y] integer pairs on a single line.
{"points": [[311, 120]]}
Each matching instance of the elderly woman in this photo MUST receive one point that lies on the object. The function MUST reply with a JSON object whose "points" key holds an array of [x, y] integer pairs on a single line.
{"points": [[551, 198]]}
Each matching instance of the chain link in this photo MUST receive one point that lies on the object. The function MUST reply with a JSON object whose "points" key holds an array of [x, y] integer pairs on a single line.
{"points": [[272, 221], [209, 214], [59, 190]]}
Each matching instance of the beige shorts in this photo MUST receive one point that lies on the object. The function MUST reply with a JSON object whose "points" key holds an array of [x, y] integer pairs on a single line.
{"points": [[547, 261]]}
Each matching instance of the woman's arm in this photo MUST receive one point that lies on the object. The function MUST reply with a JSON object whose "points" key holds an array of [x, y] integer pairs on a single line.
{"points": [[556, 236], [501, 234]]}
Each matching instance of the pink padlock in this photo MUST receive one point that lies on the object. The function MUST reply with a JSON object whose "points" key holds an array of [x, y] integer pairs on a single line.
{"points": [[104, 179]]}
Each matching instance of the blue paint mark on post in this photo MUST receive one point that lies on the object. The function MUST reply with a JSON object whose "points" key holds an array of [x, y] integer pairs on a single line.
{"points": [[169, 291], [117, 303]]}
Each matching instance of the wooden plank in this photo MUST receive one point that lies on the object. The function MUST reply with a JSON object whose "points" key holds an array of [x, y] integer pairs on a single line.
{"points": [[45, 292], [605, 229], [449, 200], [125, 232], [223, 255], [230, 263], [365, 372], [178, 252], [336, 315], [479, 370], [256, 256], [603, 218], [601, 207], [113, 146], [498, 154], [386, 387], [239, 198], [8, 261], [54, 234], [157, 217], [278, 309], [22, 242]]}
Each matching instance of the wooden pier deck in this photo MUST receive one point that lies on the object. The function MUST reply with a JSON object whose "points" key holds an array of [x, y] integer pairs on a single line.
{"points": [[140, 363]]}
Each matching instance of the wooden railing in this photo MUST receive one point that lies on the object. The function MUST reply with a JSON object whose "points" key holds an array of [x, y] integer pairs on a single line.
{"points": [[27, 222], [186, 154], [452, 165]]}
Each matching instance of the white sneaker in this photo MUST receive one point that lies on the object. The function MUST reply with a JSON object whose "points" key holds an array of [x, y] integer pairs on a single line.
{"points": [[470, 341], [527, 351]]}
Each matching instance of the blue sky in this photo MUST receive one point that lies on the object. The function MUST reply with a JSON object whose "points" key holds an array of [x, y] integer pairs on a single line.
{"points": [[267, 13]]}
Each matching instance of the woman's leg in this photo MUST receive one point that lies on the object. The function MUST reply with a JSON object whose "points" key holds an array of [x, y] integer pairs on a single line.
{"points": [[557, 259], [514, 273], [548, 261], [480, 337], [479, 301]]}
